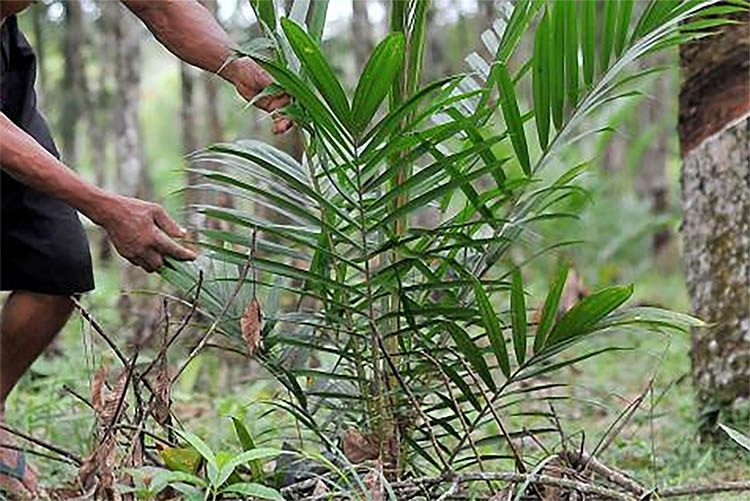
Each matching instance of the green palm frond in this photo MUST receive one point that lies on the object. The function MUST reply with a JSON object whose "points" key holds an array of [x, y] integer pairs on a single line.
{"points": [[389, 239]]}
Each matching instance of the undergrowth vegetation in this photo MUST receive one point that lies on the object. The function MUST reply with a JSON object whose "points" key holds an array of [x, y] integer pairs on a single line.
{"points": [[380, 278]]}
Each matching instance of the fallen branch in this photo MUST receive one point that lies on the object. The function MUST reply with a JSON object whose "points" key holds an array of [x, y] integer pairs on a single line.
{"points": [[99, 330], [586, 488], [43, 444], [578, 460], [26, 450], [703, 490]]}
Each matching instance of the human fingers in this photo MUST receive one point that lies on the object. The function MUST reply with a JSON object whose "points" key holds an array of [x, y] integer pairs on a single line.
{"points": [[281, 124], [166, 246], [272, 103], [166, 223], [152, 260]]}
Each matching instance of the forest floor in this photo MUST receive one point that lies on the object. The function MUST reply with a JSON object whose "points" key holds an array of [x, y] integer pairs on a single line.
{"points": [[659, 446]]}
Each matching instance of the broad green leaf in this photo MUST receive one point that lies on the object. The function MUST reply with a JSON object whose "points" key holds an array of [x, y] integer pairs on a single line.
{"points": [[165, 477], [550, 308], [245, 457], [588, 39], [472, 353], [198, 444], [646, 316], [185, 459], [298, 89], [557, 72], [247, 442], [318, 69], [492, 325], [512, 116], [189, 493], [571, 51], [588, 312], [541, 80], [376, 80], [254, 491], [518, 316], [735, 435], [265, 11]]}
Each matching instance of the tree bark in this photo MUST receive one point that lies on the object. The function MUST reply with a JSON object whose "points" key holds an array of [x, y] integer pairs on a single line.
{"points": [[71, 105], [131, 172], [714, 128]]}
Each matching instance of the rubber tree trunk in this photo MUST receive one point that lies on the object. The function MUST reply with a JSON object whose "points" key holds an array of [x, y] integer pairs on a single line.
{"points": [[72, 65], [132, 178], [714, 127]]}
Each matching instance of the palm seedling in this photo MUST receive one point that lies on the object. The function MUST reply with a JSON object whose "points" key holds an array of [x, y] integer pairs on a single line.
{"points": [[388, 260]]}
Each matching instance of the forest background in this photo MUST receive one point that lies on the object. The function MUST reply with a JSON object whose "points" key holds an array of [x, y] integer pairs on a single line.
{"points": [[133, 137]]}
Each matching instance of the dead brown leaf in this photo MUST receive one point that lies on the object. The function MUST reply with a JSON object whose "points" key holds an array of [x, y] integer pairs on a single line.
{"points": [[251, 324], [358, 447], [98, 388], [163, 385]]}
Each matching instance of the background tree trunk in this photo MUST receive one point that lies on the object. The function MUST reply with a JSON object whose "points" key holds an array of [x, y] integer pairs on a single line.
{"points": [[131, 172], [189, 138], [215, 128], [714, 127], [103, 41], [651, 181], [362, 35], [71, 106]]}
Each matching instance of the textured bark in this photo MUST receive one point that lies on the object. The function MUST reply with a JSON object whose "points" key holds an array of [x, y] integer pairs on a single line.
{"points": [[132, 179], [715, 82], [714, 126], [71, 105], [103, 41], [716, 234]]}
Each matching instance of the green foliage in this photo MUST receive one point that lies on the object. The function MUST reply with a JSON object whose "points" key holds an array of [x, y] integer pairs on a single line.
{"points": [[391, 238], [221, 478]]}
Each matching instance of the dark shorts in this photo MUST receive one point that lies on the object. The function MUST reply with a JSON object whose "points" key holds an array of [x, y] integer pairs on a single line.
{"points": [[43, 247]]}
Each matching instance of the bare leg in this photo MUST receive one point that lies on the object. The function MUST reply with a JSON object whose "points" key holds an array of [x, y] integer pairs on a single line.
{"points": [[29, 323]]}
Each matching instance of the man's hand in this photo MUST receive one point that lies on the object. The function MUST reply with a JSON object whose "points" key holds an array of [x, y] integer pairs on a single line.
{"points": [[250, 79], [141, 231], [190, 31]]}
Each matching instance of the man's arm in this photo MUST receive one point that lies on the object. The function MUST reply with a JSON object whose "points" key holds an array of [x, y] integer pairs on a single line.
{"points": [[137, 229], [190, 32]]}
